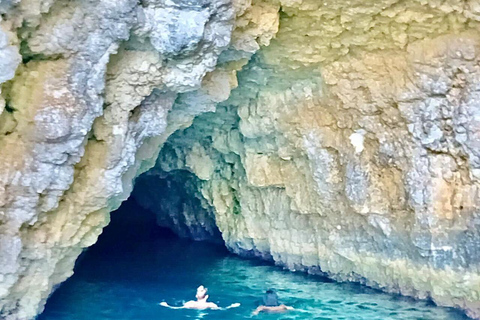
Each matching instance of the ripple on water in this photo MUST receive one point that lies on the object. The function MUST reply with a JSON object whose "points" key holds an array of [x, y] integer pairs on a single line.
{"points": [[121, 286], [125, 277]]}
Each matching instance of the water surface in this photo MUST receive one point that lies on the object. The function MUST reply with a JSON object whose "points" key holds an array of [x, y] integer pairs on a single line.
{"points": [[136, 265]]}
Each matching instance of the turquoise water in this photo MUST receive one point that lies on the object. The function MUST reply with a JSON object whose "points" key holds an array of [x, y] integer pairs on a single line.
{"points": [[136, 265]]}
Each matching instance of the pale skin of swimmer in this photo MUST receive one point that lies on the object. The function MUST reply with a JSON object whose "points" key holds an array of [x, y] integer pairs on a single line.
{"points": [[280, 308], [201, 303], [271, 306]]}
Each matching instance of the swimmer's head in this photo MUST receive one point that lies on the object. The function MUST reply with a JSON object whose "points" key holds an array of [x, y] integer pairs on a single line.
{"points": [[201, 292], [270, 299]]}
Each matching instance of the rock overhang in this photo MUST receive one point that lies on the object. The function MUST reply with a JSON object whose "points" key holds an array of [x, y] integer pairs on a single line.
{"points": [[273, 162]]}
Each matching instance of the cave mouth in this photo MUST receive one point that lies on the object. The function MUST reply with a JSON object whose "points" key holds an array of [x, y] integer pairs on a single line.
{"points": [[136, 264]]}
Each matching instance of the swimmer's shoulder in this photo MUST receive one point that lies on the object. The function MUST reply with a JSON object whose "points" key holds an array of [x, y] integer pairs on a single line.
{"points": [[190, 304]]}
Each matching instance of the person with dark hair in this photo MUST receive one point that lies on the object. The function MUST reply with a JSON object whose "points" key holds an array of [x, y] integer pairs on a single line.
{"points": [[271, 303]]}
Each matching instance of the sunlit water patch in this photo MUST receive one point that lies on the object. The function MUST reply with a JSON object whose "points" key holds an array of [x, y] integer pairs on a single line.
{"points": [[136, 265]]}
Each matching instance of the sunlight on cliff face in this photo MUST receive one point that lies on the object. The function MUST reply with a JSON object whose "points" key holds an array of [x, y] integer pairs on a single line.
{"points": [[276, 163], [278, 167]]}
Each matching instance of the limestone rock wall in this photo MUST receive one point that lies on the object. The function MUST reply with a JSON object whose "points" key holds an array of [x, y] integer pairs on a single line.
{"points": [[352, 158], [87, 107], [350, 146]]}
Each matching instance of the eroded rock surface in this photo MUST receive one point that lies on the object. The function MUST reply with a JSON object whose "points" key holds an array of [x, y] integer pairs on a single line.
{"points": [[350, 147]]}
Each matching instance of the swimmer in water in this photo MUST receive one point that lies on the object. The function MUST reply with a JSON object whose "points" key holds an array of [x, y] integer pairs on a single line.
{"points": [[271, 304], [201, 303]]}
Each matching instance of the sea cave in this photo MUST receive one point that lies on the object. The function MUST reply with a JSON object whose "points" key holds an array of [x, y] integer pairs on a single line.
{"points": [[326, 149]]}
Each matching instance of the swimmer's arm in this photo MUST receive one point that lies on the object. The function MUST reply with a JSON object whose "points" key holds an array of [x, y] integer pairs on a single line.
{"points": [[258, 310], [233, 305], [213, 306], [187, 305], [164, 304], [287, 307]]}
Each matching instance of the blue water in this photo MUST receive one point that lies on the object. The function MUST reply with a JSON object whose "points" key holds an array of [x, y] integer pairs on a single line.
{"points": [[136, 265]]}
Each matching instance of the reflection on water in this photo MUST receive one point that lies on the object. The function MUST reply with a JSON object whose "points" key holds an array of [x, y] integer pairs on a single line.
{"points": [[136, 265]]}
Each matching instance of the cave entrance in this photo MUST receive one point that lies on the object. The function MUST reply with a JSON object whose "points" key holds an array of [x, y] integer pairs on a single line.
{"points": [[136, 264]]}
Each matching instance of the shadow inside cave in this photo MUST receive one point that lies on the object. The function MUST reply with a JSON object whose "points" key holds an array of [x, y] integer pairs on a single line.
{"points": [[131, 231], [135, 265]]}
